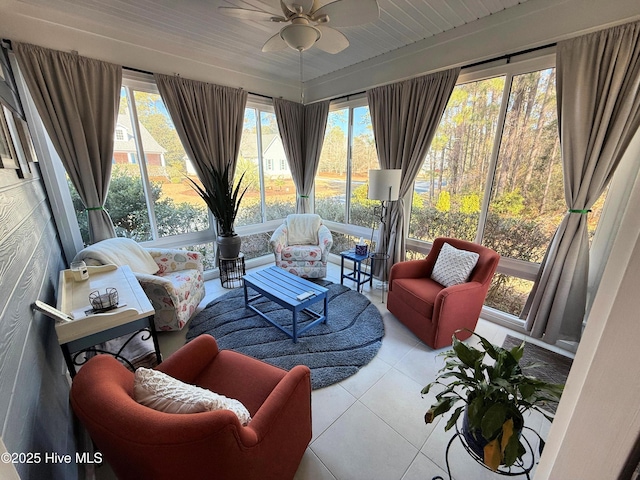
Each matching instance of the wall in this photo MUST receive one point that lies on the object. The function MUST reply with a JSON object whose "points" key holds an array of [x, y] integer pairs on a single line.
{"points": [[34, 394]]}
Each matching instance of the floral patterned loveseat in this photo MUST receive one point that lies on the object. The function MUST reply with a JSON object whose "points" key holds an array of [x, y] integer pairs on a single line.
{"points": [[172, 278], [302, 244]]}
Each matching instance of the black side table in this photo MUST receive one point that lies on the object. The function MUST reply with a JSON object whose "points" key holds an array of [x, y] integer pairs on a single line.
{"points": [[231, 271]]}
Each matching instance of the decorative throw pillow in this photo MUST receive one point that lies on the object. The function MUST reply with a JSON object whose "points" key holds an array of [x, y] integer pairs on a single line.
{"points": [[159, 391], [453, 266]]}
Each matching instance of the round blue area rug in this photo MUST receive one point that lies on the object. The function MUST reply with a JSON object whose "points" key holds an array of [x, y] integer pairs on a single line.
{"points": [[333, 351]]}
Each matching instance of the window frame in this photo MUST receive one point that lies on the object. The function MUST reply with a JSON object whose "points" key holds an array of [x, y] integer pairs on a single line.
{"points": [[352, 102], [508, 266]]}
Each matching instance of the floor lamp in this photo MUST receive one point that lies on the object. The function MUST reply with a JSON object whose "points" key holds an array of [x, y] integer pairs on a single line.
{"points": [[384, 185]]}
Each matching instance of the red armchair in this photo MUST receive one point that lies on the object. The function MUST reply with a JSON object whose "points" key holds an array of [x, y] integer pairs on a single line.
{"points": [[142, 443], [432, 312]]}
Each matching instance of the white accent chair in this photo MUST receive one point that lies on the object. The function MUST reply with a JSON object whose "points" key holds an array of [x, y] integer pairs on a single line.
{"points": [[301, 245]]}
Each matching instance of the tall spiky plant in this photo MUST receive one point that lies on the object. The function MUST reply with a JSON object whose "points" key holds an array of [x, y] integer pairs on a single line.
{"points": [[223, 200]]}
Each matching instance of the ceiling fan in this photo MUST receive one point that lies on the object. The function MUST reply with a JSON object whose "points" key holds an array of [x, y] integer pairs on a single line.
{"points": [[308, 22]]}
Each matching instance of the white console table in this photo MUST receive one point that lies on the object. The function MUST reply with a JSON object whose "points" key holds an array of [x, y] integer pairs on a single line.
{"points": [[89, 329]]}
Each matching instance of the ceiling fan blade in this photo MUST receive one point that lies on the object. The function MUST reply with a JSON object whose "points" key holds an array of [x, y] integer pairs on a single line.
{"points": [[274, 44], [331, 40], [305, 5], [349, 13], [248, 14]]}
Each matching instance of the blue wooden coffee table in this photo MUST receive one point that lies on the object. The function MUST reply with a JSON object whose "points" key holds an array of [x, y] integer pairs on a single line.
{"points": [[286, 290]]}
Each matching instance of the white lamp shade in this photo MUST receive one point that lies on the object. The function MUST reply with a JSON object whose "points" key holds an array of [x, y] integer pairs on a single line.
{"points": [[384, 184], [300, 37]]}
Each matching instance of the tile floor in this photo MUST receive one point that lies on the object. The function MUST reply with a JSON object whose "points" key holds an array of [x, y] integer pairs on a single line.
{"points": [[370, 426]]}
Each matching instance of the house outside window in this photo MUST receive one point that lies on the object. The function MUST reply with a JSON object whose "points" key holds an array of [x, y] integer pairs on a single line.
{"points": [[271, 194]]}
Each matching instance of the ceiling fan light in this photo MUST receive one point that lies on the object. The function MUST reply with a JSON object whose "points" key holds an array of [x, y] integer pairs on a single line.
{"points": [[300, 37]]}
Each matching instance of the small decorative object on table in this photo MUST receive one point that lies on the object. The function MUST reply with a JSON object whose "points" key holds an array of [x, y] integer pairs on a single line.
{"points": [[361, 247], [79, 271], [105, 301], [493, 398]]}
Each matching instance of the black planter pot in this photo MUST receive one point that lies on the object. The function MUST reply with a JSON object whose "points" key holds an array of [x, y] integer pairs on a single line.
{"points": [[473, 438], [229, 246]]}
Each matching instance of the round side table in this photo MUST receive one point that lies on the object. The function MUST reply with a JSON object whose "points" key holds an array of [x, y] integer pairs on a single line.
{"points": [[231, 271]]}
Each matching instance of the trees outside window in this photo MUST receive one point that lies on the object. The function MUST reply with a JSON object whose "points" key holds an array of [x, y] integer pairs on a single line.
{"points": [[493, 174], [348, 153]]}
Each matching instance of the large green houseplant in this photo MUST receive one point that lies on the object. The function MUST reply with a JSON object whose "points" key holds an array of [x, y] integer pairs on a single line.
{"points": [[224, 201], [493, 396]]}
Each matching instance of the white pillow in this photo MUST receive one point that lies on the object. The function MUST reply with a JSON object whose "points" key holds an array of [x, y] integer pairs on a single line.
{"points": [[453, 266], [159, 391], [302, 229]]}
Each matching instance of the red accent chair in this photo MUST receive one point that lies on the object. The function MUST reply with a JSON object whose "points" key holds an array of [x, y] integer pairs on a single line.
{"points": [[432, 312], [141, 443]]}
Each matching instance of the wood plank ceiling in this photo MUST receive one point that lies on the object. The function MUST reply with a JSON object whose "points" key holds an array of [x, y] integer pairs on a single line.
{"points": [[197, 30]]}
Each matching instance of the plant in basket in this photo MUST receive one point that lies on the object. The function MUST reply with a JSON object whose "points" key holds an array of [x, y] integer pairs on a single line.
{"points": [[493, 393]]}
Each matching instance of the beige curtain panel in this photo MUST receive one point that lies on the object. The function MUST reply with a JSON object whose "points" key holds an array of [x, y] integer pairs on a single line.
{"points": [[302, 128], [77, 99], [405, 117], [208, 118], [598, 91]]}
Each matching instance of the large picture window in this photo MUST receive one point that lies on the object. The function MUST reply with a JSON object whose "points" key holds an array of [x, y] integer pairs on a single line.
{"points": [[348, 153], [150, 199], [271, 194], [493, 175], [149, 196]]}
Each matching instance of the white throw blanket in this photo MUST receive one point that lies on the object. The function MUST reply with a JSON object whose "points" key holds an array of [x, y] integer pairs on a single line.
{"points": [[119, 251], [302, 229]]}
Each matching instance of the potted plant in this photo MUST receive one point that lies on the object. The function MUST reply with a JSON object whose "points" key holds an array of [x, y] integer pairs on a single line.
{"points": [[223, 201], [493, 397]]}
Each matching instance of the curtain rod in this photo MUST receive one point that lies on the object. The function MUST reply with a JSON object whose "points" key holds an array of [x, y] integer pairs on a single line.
{"points": [[7, 44], [507, 57], [133, 69]]}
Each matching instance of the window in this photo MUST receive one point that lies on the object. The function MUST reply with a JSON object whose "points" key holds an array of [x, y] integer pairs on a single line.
{"points": [[494, 174], [450, 185], [331, 177], [271, 194], [348, 153], [149, 196]]}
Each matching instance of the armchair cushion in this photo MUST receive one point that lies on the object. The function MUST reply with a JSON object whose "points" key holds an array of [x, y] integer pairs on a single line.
{"points": [[453, 266], [419, 293], [310, 253], [159, 391], [302, 229]]}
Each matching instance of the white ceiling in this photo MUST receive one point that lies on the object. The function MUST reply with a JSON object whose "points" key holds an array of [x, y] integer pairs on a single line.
{"points": [[411, 37], [200, 31]]}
